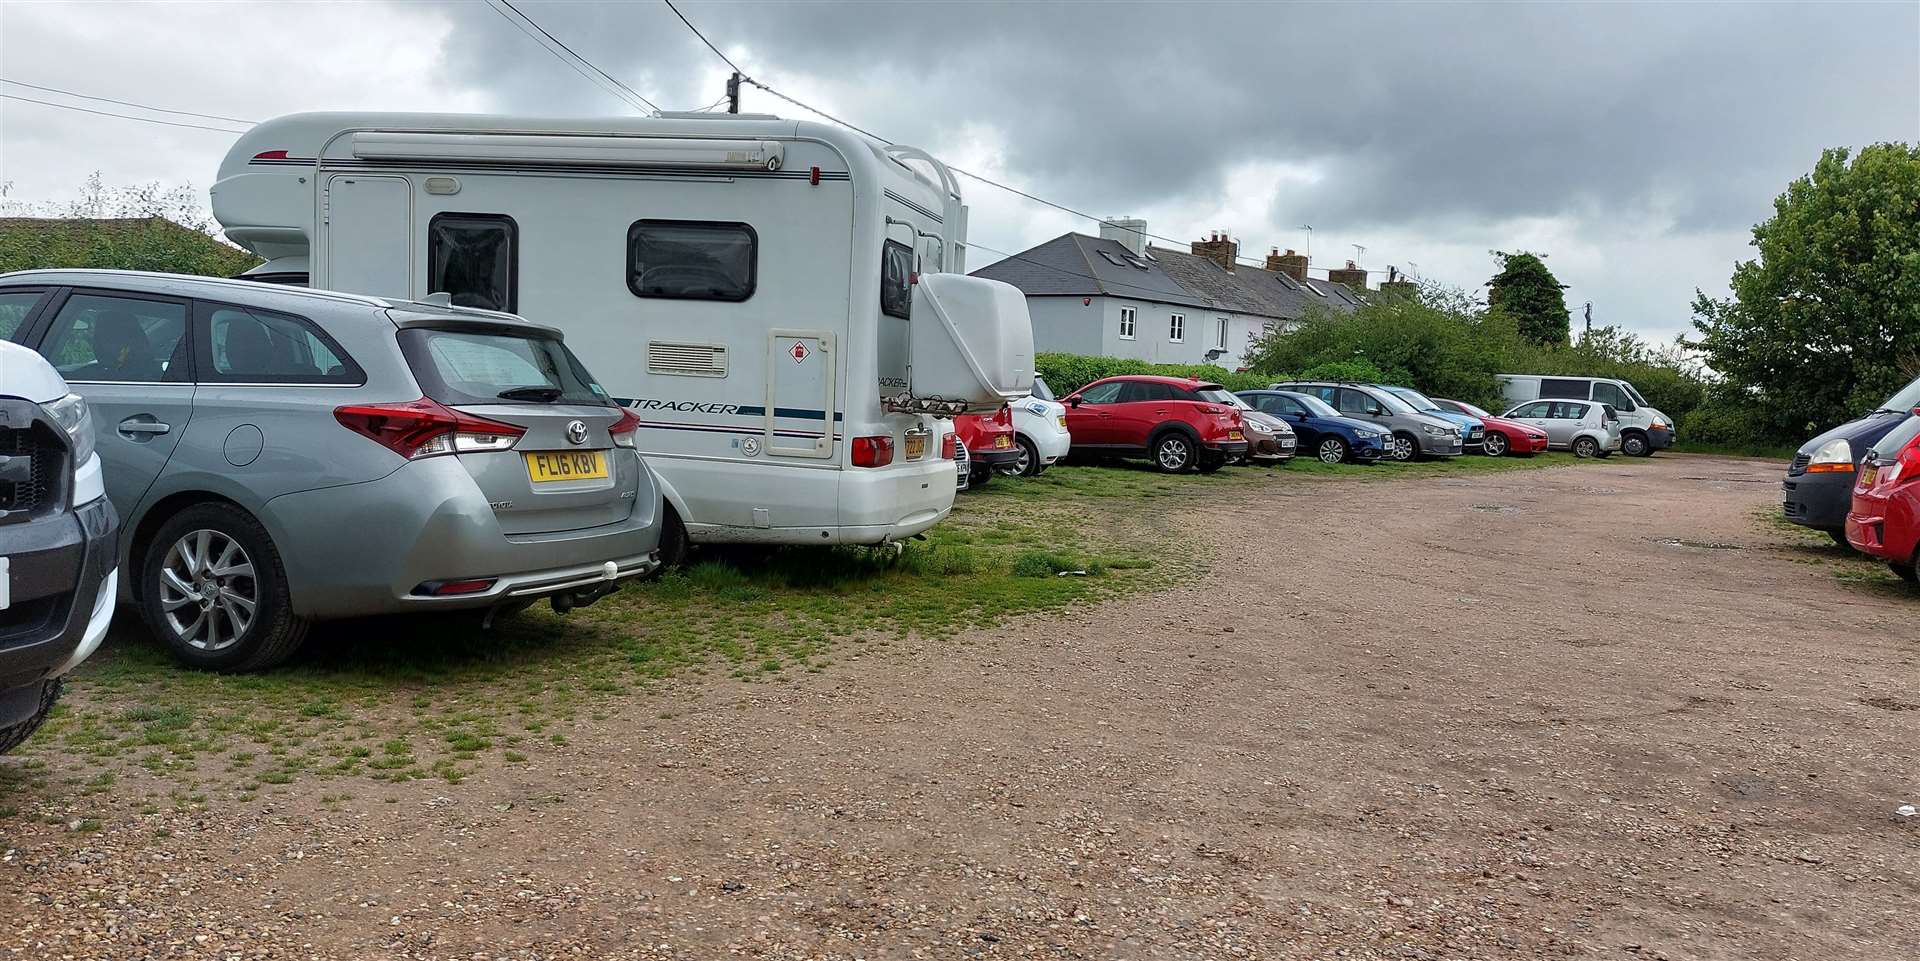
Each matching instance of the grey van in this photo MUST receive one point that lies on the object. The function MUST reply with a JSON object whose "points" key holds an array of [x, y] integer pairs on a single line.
{"points": [[1414, 434], [282, 456]]}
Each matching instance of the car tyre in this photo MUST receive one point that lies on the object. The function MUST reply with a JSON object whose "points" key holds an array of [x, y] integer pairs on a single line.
{"points": [[1405, 448], [223, 549], [1029, 463], [1173, 453], [1494, 444], [1332, 450], [13, 735], [674, 545], [1208, 465], [978, 475], [1839, 537], [1585, 447], [1636, 445]]}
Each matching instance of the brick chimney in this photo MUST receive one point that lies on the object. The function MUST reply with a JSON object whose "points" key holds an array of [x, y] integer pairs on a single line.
{"points": [[1218, 247], [1292, 264], [1352, 276]]}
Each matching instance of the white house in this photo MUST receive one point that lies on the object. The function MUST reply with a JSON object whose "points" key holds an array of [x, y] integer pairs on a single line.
{"points": [[1116, 296]]}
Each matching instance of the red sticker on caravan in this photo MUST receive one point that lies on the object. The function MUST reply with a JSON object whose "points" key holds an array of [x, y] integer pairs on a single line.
{"points": [[799, 351]]}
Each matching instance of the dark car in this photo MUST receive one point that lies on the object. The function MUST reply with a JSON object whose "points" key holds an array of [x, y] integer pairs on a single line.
{"points": [[1322, 432], [1819, 486], [1168, 420]]}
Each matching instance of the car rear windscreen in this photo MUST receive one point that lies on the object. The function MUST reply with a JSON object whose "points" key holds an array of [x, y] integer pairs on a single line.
{"points": [[468, 366], [1896, 440]]}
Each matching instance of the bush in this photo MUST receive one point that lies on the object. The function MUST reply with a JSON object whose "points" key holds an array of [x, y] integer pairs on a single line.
{"points": [[1066, 373], [1719, 423]]}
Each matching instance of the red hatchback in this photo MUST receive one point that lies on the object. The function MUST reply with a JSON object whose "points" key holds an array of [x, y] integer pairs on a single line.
{"points": [[1503, 436], [989, 440], [1885, 520], [1176, 422]]}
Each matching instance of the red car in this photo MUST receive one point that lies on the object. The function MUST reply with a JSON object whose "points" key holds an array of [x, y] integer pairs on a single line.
{"points": [[1885, 520], [1178, 423], [989, 440], [1503, 436]]}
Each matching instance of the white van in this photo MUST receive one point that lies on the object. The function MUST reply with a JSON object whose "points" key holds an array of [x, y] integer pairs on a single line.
{"points": [[1643, 429], [783, 303]]}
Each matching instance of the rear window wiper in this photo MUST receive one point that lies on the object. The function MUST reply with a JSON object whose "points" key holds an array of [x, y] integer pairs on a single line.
{"points": [[544, 395]]}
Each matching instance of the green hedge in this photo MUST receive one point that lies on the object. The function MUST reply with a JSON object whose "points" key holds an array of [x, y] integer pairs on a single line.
{"points": [[1066, 373]]}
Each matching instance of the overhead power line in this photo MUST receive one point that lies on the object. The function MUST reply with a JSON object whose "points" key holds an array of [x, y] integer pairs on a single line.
{"points": [[121, 116], [868, 133], [125, 103], [598, 76]]}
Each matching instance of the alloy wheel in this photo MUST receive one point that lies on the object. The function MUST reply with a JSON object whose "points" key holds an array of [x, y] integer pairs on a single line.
{"points": [[1173, 454], [208, 593], [1402, 447], [1494, 444], [1331, 451], [1019, 467]]}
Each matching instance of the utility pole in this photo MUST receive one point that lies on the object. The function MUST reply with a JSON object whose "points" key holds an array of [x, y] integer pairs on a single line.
{"points": [[1589, 316], [733, 93]]}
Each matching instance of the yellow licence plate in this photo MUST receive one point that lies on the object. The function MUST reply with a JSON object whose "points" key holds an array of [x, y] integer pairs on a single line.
{"points": [[1867, 476], [1002, 442], [549, 466], [916, 446], [1235, 435]]}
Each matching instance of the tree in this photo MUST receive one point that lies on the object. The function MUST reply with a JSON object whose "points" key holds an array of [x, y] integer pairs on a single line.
{"points": [[1825, 323], [1527, 291]]}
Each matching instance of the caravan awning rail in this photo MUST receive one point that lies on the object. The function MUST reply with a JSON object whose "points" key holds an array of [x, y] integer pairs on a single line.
{"points": [[570, 149]]}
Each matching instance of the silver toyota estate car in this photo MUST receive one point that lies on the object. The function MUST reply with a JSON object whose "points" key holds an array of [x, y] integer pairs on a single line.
{"points": [[280, 456]]}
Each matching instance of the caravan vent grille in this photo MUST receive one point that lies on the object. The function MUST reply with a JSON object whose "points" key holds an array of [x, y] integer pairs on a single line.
{"points": [[686, 360]]}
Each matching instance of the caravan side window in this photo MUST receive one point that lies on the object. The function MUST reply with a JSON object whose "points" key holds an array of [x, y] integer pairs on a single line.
{"points": [[692, 260], [896, 280], [476, 258]]}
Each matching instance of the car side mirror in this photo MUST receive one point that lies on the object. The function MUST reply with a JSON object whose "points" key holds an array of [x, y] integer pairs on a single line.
{"points": [[1073, 401]]}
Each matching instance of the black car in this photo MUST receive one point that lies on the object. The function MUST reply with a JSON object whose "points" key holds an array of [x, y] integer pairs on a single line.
{"points": [[1322, 432], [58, 540], [1819, 485]]}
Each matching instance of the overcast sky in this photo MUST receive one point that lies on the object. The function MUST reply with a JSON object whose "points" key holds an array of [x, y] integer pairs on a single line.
{"points": [[1633, 144]]}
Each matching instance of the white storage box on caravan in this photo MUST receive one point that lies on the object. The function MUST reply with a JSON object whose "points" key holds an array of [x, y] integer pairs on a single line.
{"points": [[970, 342]]}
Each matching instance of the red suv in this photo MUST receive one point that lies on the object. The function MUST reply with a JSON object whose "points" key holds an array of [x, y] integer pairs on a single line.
{"points": [[1176, 422], [989, 441]]}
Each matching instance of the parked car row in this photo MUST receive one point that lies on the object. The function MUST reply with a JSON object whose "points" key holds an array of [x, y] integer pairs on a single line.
{"points": [[1859, 483]]}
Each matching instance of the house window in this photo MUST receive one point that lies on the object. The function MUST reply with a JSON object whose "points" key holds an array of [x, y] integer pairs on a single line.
{"points": [[1129, 316], [1220, 333], [1176, 328], [474, 258], [691, 260]]}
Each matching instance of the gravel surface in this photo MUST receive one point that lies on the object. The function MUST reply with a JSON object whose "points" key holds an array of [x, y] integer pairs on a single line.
{"points": [[1589, 712]]}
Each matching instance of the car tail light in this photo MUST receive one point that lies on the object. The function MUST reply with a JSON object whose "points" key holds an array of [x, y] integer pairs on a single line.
{"points": [[949, 446], [424, 428], [876, 451], [622, 429], [1906, 469]]}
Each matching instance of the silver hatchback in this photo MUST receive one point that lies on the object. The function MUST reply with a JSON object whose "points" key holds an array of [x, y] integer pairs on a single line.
{"points": [[281, 456]]}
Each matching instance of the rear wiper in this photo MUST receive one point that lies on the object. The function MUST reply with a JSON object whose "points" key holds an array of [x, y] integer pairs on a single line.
{"points": [[544, 395]]}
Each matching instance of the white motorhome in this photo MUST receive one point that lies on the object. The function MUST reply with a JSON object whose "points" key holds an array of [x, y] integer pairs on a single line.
{"points": [[784, 303], [1643, 428]]}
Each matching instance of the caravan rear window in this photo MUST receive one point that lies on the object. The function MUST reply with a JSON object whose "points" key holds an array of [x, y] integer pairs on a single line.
{"points": [[691, 260], [896, 280], [474, 258]]}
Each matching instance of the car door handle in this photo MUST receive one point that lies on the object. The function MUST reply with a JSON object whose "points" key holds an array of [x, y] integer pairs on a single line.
{"points": [[135, 425]]}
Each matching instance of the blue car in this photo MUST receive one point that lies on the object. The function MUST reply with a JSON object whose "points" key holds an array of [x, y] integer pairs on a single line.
{"points": [[1473, 429], [1329, 437]]}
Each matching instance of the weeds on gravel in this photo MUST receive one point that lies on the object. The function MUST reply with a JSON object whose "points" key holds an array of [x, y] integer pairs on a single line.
{"points": [[402, 699]]}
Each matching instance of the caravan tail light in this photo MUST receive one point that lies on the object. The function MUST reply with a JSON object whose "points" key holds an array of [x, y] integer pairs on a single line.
{"points": [[622, 429], [271, 155], [950, 446], [872, 451], [424, 428]]}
